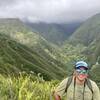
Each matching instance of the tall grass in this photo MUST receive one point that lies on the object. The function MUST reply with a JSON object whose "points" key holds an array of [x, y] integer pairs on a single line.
{"points": [[25, 87]]}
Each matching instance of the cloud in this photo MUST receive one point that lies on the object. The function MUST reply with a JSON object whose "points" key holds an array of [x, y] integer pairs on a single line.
{"points": [[6, 2], [49, 10]]}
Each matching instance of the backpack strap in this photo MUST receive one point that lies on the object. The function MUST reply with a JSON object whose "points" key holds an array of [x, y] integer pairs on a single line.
{"points": [[68, 83], [88, 82]]}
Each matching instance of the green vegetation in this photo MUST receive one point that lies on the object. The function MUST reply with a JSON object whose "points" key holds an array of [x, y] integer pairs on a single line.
{"points": [[25, 87], [15, 57], [88, 32], [95, 73], [70, 54], [54, 33], [23, 50]]}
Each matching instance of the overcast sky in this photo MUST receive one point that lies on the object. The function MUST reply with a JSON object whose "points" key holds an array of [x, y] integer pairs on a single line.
{"points": [[49, 10]]}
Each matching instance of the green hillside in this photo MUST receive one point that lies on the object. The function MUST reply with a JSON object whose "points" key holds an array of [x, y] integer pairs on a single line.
{"points": [[53, 32], [95, 73], [23, 50], [88, 32]]}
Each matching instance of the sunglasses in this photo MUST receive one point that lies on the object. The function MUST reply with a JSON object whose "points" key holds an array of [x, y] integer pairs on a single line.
{"points": [[82, 67], [82, 71]]}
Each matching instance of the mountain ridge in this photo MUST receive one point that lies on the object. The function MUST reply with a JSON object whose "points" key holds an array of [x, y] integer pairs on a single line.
{"points": [[53, 32], [23, 50]]}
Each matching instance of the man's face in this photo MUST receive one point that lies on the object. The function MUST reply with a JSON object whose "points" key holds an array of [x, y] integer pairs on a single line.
{"points": [[81, 73]]}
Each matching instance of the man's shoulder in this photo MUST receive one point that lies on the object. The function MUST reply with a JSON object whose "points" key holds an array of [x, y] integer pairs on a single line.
{"points": [[93, 83], [65, 80]]}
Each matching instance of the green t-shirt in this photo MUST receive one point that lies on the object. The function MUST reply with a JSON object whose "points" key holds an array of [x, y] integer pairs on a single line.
{"points": [[78, 94]]}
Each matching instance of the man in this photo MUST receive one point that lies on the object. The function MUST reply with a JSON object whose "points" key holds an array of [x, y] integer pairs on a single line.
{"points": [[80, 87]]}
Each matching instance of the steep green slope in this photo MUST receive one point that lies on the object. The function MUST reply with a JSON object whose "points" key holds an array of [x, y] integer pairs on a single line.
{"points": [[95, 73], [88, 32], [23, 50], [55, 33]]}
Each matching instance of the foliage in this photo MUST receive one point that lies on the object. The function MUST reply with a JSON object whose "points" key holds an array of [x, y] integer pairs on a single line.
{"points": [[70, 54], [88, 32], [23, 50], [53, 32], [25, 87], [95, 73]]}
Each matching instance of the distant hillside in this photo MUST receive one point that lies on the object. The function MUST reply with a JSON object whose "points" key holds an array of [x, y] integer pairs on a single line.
{"points": [[55, 33], [23, 50], [88, 34], [95, 73]]}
